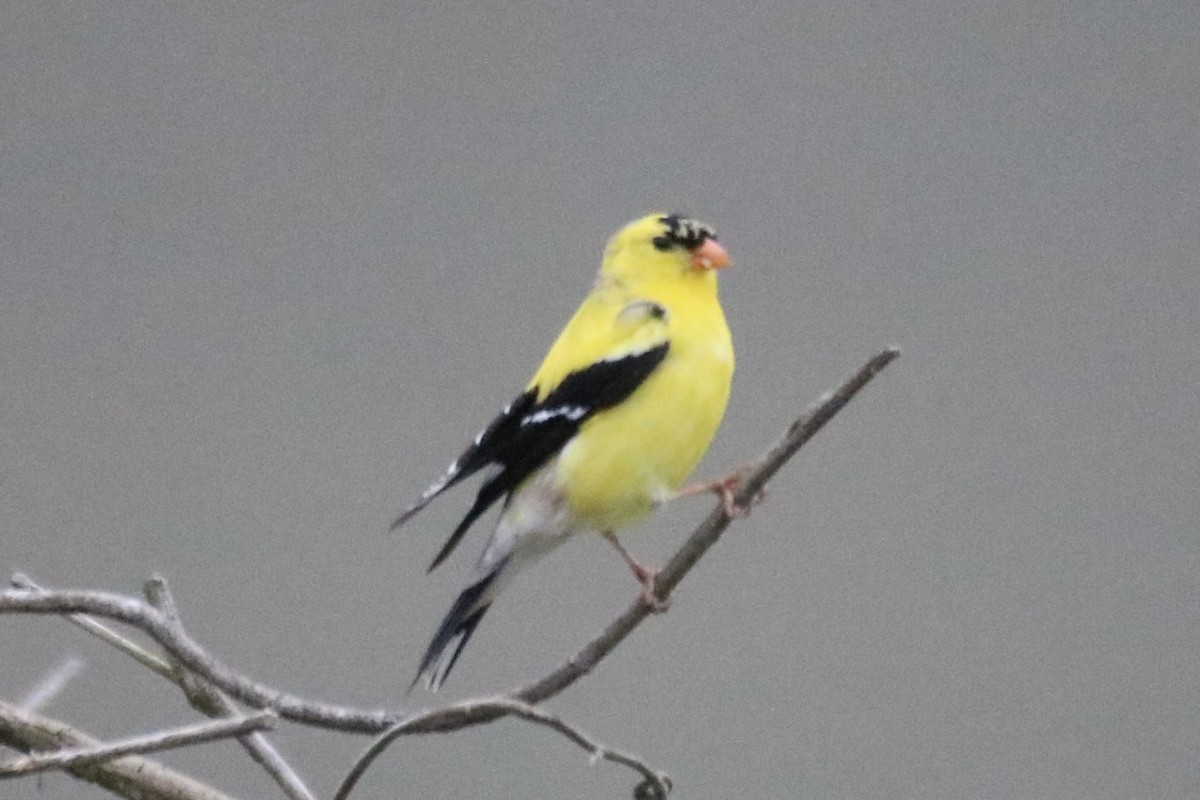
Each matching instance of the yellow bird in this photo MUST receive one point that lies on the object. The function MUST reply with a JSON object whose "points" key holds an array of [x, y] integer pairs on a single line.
{"points": [[616, 417]]}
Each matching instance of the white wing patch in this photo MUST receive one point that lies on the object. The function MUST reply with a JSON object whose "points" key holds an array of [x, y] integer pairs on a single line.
{"points": [[573, 413]]}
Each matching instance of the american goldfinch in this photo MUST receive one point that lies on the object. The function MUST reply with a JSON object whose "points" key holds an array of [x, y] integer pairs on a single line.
{"points": [[616, 417]]}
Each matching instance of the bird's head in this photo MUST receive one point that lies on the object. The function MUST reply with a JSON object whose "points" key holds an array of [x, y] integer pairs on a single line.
{"points": [[663, 247]]}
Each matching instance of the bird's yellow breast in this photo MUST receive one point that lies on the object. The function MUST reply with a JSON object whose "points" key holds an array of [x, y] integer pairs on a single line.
{"points": [[626, 459]]}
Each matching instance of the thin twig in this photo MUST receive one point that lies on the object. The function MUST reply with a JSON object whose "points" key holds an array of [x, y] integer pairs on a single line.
{"points": [[657, 782], [50, 686], [131, 776], [149, 743], [104, 633]]}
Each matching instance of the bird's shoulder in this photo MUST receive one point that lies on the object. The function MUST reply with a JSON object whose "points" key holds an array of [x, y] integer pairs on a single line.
{"points": [[610, 325]]}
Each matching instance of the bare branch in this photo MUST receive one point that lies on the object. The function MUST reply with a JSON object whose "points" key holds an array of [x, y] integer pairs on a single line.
{"points": [[206, 699], [753, 482], [130, 776], [134, 611], [149, 743], [49, 687], [104, 633], [201, 695], [657, 783]]}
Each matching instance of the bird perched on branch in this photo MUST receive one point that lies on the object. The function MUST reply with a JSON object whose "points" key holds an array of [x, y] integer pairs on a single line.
{"points": [[616, 417]]}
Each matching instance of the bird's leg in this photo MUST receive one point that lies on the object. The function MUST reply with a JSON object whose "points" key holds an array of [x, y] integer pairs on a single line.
{"points": [[645, 576], [724, 488]]}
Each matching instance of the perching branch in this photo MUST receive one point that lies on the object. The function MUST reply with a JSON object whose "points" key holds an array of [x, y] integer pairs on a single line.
{"points": [[755, 479], [170, 635], [753, 482]]}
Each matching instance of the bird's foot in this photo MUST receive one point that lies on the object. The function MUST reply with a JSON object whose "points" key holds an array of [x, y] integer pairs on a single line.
{"points": [[726, 488], [653, 603], [646, 577]]}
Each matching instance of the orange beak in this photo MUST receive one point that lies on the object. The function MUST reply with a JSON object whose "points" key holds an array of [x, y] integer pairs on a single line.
{"points": [[709, 255]]}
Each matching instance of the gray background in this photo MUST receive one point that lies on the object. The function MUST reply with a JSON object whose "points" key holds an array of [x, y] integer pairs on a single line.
{"points": [[264, 268]]}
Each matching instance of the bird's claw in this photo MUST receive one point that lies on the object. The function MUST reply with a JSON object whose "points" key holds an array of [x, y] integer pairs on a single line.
{"points": [[726, 488], [654, 604], [646, 577], [735, 510]]}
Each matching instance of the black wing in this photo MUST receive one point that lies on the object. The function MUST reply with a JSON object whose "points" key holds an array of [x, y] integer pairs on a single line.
{"points": [[527, 433]]}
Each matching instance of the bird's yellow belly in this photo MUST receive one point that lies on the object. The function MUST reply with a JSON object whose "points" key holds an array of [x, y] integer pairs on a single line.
{"points": [[628, 458]]}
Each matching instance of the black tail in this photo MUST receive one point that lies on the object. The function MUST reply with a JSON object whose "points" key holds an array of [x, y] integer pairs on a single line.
{"points": [[456, 630]]}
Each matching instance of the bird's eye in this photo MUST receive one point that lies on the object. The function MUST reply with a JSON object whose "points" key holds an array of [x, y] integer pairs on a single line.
{"points": [[662, 243]]}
